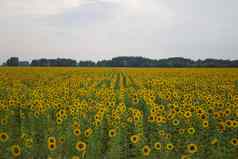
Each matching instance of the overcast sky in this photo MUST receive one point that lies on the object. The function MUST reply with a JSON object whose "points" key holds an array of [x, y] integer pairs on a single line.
{"points": [[102, 29]]}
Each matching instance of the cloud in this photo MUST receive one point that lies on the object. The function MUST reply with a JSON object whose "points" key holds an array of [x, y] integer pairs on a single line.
{"points": [[38, 7], [52, 7]]}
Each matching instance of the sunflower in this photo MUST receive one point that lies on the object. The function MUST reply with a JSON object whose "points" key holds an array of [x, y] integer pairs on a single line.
{"points": [[61, 139], [175, 122], [135, 139], [88, 132], [75, 125], [205, 124], [51, 146], [3, 137], [157, 145], [217, 115], [3, 121], [234, 141], [199, 111], [171, 116], [97, 117], [161, 132], [227, 112], [234, 123], [192, 148], [191, 131], [136, 118], [167, 136], [221, 127], [51, 139], [187, 114], [151, 118], [80, 146], [203, 116], [112, 133], [15, 150], [59, 121], [29, 143], [75, 157], [129, 120], [36, 114], [76, 131], [181, 131], [229, 123], [122, 108], [169, 147], [146, 150], [97, 123], [185, 157], [214, 141]]}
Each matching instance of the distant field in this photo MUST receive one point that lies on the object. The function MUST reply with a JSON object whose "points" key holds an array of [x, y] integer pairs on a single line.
{"points": [[118, 113]]}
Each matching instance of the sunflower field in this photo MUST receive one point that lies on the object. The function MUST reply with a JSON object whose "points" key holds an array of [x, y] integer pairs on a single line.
{"points": [[118, 113]]}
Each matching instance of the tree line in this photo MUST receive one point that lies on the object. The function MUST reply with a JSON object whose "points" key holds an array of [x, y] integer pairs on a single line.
{"points": [[125, 61]]}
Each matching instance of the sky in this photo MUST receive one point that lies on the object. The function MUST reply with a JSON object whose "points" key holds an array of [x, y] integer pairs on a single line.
{"points": [[102, 29]]}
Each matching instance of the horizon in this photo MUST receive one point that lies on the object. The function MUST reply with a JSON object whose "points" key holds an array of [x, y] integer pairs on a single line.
{"points": [[95, 61], [103, 29], [124, 61]]}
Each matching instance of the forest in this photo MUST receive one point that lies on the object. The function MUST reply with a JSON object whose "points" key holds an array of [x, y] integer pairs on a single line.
{"points": [[125, 61]]}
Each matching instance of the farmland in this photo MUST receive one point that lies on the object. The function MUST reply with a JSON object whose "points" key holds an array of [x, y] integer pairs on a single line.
{"points": [[118, 113]]}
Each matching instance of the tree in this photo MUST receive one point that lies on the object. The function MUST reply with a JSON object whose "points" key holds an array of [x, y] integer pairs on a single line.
{"points": [[54, 62], [126, 61], [13, 61], [86, 63]]}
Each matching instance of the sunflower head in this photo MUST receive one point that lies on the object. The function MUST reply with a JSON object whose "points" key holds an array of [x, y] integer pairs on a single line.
{"points": [[75, 125], [51, 139], [88, 132], [192, 148], [169, 147], [75, 157], [76, 131], [135, 139], [3, 121], [29, 142], [52, 146], [187, 114], [61, 139], [185, 157], [175, 122], [112, 133], [205, 124], [80, 146], [3, 137], [157, 146], [191, 131], [234, 141], [16, 150], [227, 112], [221, 127], [146, 150], [214, 141], [229, 123], [181, 131]]}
